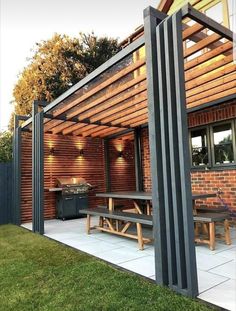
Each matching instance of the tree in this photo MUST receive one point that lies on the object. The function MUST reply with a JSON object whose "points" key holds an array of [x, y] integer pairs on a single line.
{"points": [[58, 64], [5, 147]]}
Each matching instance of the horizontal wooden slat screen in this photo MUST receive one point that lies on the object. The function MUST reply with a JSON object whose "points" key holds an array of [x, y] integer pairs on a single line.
{"points": [[122, 169], [65, 162]]}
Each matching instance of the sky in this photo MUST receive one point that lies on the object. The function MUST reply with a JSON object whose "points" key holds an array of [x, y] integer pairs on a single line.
{"points": [[25, 22]]}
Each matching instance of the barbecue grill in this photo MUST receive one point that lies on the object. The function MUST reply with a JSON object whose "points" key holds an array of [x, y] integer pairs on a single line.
{"points": [[72, 196]]}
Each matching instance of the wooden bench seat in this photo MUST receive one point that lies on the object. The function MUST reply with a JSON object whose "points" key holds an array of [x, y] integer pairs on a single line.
{"points": [[210, 219], [110, 221]]}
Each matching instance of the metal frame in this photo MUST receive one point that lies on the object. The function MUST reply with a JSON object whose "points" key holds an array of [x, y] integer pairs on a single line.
{"points": [[37, 169], [16, 170], [175, 258]]}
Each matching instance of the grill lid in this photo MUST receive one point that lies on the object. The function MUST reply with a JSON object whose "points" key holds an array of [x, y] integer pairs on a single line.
{"points": [[70, 181]]}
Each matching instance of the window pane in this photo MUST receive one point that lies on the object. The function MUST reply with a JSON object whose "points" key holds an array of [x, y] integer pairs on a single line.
{"points": [[199, 147], [223, 146], [216, 12]]}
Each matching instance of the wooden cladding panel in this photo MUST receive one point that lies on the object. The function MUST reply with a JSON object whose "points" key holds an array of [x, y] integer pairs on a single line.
{"points": [[122, 169], [65, 162]]}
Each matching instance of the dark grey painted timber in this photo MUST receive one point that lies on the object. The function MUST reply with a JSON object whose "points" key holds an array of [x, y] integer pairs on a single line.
{"points": [[133, 195], [159, 221], [107, 165], [168, 134], [138, 159], [211, 217], [141, 195], [37, 171], [6, 190], [123, 216], [16, 173], [189, 11]]}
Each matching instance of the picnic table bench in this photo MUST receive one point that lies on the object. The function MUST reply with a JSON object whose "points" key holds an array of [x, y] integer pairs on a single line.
{"points": [[210, 219], [120, 225]]}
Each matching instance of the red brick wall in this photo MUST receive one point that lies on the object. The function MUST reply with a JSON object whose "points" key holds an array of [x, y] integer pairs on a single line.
{"points": [[202, 181]]}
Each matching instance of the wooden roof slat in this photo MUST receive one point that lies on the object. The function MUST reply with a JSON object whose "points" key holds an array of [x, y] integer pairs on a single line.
{"points": [[101, 86], [224, 47], [108, 104], [94, 130], [86, 106], [205, 87], [212, 91], [72, 128], [61, 127], [52, 123], [130, 116], [134, 120], [201, 44], [125, 112], [119, 108], [140, 122], [209, 77], [108, 132], [213, 97], [84, 129], [209, 67], [190, 31]]}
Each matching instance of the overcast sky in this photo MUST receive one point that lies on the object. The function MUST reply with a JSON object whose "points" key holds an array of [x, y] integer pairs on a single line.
{"points": [[24, 22]]}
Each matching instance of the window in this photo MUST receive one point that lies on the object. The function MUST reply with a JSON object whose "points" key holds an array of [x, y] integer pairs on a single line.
{"points": [[213, 145], [216, 12], [232, 13], [223, 144], [199, 147]]}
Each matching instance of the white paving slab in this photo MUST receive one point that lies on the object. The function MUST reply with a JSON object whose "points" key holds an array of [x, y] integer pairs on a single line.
{"points": [[207, 280], [143, 266], [227, 270], [223, 295], [216, 269], [206, 262]]}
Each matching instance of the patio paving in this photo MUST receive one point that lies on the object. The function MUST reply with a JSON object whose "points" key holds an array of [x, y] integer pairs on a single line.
{"points": [[216, 269]]}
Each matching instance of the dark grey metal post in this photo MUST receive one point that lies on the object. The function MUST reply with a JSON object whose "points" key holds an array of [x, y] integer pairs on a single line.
{"points": [[159, 223], [170, 162], [16, 172], [138, 159], [107, 165], [37, 169]]}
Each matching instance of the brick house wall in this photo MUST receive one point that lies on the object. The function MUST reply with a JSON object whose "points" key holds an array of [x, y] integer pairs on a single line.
{"points": [[204, 180]]}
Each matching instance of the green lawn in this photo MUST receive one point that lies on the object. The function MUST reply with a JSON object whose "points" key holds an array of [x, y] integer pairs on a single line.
{"points": [[39, 274]]}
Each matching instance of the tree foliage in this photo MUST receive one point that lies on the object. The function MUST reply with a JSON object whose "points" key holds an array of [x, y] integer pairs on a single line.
{"points": [[58, 64], [5, 147]]}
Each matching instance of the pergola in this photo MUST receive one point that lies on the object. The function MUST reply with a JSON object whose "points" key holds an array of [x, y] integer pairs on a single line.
{"points": [[188, 66]]}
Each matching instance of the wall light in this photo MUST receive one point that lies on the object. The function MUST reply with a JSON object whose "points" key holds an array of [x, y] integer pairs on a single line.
{"points": [[120, 154], [81, 152], [52, 151]]}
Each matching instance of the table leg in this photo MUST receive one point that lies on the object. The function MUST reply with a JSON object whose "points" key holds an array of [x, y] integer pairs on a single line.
{"points": [[140, 236], [227, 232], [111, 204], [137, 207], [212, 235], [88, 223]]}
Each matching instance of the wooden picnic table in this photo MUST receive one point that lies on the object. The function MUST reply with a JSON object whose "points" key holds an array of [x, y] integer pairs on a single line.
{"points": [[137, 196]]}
